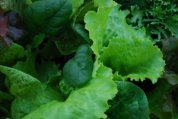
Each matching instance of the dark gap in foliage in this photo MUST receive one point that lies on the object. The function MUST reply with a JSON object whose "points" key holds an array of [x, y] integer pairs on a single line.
{"points": [[146, 85]]}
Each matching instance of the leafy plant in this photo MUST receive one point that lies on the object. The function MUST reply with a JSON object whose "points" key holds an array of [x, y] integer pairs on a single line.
{"points": [[88, 59], [120, 46]]}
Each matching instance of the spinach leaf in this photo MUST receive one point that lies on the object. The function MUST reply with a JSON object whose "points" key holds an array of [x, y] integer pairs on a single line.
{"points": [[130, 102], [78, 70], [47, 16]]}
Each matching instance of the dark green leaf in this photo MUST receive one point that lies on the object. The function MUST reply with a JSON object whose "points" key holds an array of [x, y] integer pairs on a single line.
{"points": [[47, 16], [9, 55], [78, 70], [130, 103]]}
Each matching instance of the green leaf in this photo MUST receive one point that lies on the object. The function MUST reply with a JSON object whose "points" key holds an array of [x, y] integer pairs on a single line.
{"points": [[37, 40], [87, 102], [80, 30], [20, 83], [28, 91], [47, 16], [96, 25], [44, 71], [49, 51], [68, 43], [27, 66], [5, 96], [47, 71], [10, 54], [78, 70], [104, 3], [23, 105], [162, 107], [121, 47], [76, 4], [130, 103], [137, 16], [16, 5], [172, 24], [126, 57]]}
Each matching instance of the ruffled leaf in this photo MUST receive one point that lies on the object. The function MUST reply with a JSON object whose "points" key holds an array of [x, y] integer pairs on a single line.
{"points": [[96, 25], [121, 47], [87, 102], [134, 59]]}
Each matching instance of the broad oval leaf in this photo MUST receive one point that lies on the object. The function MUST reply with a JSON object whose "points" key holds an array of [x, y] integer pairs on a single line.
{"points": [[130, 102], [47, 16], [78, 70]]}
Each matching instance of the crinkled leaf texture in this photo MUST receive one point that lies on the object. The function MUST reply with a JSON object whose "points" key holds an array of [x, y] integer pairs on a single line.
{"points": [[121, 47], [28, 91], [88, 102]]}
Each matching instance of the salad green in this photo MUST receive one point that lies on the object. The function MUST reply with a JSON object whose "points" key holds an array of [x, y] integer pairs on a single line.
{"points": [[88, 59]]}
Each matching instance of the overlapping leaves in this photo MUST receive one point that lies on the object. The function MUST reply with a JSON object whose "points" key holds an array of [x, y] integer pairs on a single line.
{"points": [[121, 47], [88, 101]]}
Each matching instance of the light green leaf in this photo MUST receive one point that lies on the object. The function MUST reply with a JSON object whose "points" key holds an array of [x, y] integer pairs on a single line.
{"points": [[28, 91], [96, 25], [121, 47], [133, 59], [104, 3], [130, 103], [87, 102], [20, 83]]}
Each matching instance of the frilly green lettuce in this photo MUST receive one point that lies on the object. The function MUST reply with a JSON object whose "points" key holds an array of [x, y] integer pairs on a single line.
{"points": [[88, 102], [121, 47]]}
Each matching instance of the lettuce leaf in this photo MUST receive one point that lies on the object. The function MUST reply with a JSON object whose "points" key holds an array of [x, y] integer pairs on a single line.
{"points": [[28, 91], [121, 47], [104, 3], [87, 102]]}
